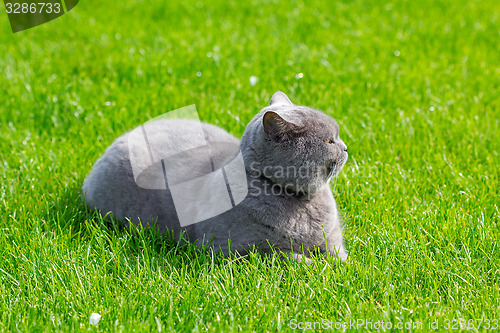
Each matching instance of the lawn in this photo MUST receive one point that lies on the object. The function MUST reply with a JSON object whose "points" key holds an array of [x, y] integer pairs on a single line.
{"points": [[414, 86]]}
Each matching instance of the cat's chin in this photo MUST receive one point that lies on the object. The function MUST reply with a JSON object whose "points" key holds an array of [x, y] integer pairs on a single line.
{"points": [[335, 166]]}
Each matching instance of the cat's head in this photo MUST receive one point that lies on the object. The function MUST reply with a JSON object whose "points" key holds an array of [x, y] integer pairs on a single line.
{"points": [[294, 146]]}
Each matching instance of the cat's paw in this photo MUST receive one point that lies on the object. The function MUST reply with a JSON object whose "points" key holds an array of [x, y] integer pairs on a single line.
{"points": [[341, 257], [301, 258]]}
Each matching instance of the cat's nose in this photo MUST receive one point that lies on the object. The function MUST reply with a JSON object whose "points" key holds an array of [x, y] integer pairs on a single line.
{"points": [[342, 145]]}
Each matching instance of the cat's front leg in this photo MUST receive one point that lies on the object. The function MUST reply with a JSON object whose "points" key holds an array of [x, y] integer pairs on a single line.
{"points": [[336, 245]]}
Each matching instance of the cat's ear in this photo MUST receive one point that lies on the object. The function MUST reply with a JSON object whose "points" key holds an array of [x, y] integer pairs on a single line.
{"points": [[278, 128], [280, 98]]}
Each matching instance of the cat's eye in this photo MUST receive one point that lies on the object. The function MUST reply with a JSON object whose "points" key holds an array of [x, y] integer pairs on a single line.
{"points": [[331, 141]]}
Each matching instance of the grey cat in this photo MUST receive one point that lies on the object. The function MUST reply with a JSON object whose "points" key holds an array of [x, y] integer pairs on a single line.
{"points": [[290, 154]]}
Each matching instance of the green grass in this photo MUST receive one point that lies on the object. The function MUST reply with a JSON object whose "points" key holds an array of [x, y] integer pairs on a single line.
{"points": [[414, 86]]}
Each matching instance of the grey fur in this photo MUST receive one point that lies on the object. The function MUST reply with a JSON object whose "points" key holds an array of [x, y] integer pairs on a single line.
{"points": [[290, 153]]}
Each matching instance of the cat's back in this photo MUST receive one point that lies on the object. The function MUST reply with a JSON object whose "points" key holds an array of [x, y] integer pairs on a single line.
{"points": [[176, 135], [111, 185]]}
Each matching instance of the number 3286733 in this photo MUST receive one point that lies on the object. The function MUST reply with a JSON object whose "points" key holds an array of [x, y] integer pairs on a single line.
{"points": [[40, 7]]}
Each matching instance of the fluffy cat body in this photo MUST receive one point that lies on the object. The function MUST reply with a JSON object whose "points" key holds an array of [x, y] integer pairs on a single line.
{"points": [[290, 210]]}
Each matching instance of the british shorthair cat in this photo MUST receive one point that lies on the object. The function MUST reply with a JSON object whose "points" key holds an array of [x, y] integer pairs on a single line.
{"points": [[290, 153]]}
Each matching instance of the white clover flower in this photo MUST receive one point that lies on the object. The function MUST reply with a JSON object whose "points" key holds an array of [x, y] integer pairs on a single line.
{"points": [[253, 80], [95, 318]]}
